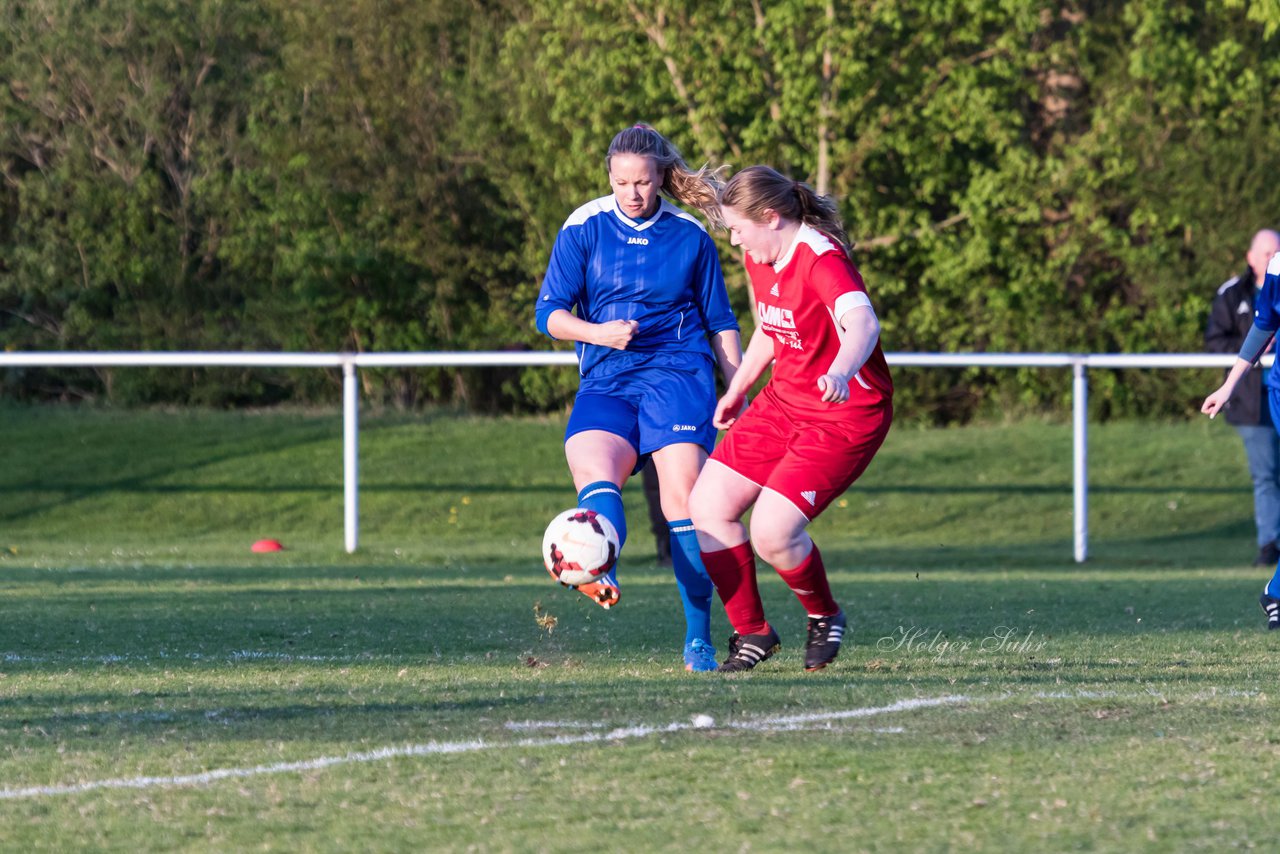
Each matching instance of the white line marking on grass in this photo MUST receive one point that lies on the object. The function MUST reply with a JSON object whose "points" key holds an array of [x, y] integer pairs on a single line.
{"points": [[574, 726], [432, 748], [798, 721], [435, 748]]}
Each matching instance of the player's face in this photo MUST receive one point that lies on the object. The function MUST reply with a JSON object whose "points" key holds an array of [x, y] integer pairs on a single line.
{"points": [[760, 239], [635, 182]]}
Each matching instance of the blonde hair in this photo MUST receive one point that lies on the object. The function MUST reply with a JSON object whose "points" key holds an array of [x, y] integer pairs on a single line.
{"points": [[698, 189], [758, 189]]}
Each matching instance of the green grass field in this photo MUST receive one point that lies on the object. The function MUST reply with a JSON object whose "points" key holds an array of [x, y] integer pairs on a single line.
{"points": [[162, 687]]}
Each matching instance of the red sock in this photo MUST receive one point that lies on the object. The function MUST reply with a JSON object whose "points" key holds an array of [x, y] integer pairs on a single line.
{"points": [[809, 582], [733, 572]]}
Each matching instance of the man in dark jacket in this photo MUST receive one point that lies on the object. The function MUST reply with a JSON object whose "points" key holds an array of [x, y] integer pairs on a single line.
{"points": [[1248, 411]]}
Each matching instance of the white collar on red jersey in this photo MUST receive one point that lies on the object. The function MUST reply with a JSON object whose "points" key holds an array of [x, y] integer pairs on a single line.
{"points": [[809, 236]]}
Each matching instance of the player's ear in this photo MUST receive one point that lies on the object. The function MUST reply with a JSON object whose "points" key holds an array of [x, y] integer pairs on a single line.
{"points": [[772, 218]]}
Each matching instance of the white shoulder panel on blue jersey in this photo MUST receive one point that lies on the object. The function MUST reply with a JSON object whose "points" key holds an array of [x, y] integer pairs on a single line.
{"points": [[683, 214], [1273, 267], [609, 204], [604, 204]]}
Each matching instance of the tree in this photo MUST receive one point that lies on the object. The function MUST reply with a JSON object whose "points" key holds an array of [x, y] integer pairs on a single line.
{"points": [[113, 116]]}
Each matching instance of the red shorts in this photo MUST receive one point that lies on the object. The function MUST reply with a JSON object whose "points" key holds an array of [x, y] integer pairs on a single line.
{"points": [[808, 461]]}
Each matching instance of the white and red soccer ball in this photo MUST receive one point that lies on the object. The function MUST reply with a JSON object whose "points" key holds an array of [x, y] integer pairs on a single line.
{"points": [[579, 546]]}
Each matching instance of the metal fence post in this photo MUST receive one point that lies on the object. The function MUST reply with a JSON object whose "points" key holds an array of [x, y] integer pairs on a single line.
{"points": [[351, 454], [1080, 456]]}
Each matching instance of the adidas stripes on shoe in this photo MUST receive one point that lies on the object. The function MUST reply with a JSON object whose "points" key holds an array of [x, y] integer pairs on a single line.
{"points": [[1271, 606], [746, 651], [823, 645]]}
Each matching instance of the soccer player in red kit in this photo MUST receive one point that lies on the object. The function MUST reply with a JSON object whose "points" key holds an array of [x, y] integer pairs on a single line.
{"points": [[810, 432]]}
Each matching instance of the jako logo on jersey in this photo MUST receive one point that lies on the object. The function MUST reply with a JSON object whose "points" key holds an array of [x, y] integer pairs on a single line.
{"points": [[639, 241], [810, 496], [684, 428], [782, 318]]}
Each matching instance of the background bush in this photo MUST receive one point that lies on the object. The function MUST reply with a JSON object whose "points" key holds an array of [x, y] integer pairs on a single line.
{"points": [[381, 175]]}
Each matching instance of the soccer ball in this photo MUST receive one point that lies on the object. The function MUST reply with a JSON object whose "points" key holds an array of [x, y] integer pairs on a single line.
{"points": [[579, 546]]}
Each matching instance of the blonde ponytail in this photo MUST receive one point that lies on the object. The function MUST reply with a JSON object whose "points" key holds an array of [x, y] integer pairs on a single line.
{"points": [[698, 189]]}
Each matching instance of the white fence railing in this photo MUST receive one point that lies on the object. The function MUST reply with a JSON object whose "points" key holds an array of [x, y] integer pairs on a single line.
{"points": [[350, 363]]}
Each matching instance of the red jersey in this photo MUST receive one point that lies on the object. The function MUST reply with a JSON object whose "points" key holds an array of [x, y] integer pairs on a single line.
{"points": [[798, 301]]}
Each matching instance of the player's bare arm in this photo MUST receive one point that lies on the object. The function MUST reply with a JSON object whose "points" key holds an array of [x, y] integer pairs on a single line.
{"points": [[566, 326], [1256, 342], [727, 345], [756, 359], [859, 332], [1219, 397]]}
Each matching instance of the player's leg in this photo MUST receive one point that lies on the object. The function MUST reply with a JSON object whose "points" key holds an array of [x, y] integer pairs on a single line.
{"points": [[600, 463], [1270, 598], [601, 445], [675, 428], [717, 503], [678, 466], [820, 463], [728, 486], [601, 449], [778, 532]]}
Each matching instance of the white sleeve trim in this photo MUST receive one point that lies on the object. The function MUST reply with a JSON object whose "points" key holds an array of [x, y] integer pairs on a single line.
{"points": [[853, 299]]}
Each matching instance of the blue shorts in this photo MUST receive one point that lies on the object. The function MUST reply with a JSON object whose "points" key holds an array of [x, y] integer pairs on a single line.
{"points": [[650, 407]]}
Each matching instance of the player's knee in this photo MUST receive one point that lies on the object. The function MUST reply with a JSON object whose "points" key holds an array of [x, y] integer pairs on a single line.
{"points": [[697, 514], [676, 506], [773, 542], [701, 507], [766, 540]]}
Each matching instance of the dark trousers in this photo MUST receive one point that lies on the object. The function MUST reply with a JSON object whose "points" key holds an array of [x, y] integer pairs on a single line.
{"points": [[657, 522]]}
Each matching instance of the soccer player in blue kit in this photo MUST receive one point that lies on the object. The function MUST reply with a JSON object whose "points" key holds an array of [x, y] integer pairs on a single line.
{"points": [[1266, 320], [636, 283]]}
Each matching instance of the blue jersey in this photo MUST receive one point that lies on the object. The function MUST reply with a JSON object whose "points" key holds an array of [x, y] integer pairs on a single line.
{"points": [[1266, 313], [662, 272]]}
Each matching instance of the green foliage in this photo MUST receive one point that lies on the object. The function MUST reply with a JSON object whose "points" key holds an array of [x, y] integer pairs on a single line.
{"points": [[378, 175]]}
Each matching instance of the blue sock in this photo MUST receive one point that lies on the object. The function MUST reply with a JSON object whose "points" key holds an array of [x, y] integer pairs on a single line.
{"points": [[1273, 586], [692, 579], [606, 499]]}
